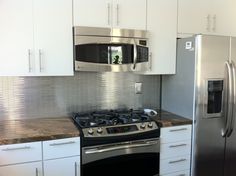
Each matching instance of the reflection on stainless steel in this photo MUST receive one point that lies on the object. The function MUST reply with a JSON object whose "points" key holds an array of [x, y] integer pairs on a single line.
{"points": [[34, 97]]}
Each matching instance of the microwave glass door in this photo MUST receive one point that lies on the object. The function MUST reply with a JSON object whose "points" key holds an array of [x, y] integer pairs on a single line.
{"points": [[105, 53]]}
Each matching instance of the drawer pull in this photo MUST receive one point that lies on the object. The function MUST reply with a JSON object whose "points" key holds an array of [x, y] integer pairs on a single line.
{"points": [[177, 161], [181, 175], [19, 148], [180, 129], [63, 143], [180, 145]]}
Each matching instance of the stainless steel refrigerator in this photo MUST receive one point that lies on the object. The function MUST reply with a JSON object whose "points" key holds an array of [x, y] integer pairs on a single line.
{"points": [[204, 90]]}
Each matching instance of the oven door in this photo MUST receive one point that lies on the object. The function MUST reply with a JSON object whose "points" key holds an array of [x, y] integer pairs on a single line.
{"points": [[116, 54], [127, 158]]}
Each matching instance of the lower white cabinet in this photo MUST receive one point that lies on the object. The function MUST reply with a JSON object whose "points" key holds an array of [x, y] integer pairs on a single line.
{"points": [[175, 150], [46, 158], [26, 169], [62, 167]]}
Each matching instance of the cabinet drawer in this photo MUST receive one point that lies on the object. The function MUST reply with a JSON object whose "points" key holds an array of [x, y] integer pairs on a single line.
{"points": [[177, 133], [61, 148], [19, 153], [175, 149], [174, 164], [181, 173]]}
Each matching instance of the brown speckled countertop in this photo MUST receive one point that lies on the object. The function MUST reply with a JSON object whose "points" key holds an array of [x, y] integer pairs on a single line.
{"points": [[167, 119], [30, 130]]}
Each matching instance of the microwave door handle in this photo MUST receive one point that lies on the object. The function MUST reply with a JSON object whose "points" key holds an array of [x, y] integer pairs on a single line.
{"points": [[135, 55]]}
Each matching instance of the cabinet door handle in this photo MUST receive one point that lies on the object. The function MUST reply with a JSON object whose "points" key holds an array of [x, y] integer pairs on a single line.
{"points": [[214, 23], [40, 60], [76, 169], [177, 161], [208, 25], [117, 14], [150, 61], [36, 172], [17, 148], [29, 60], [108, 14], [62, 143], [180, 145], [181, 175], [180, 129]]}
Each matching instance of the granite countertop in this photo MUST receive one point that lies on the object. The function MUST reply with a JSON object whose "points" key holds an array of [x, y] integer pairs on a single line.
{"points": [[41, 129], [167, 119]]}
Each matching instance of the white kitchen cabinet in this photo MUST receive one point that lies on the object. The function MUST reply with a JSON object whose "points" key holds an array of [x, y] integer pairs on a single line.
{"points": [[62, 157], [128, 14], [206, 17], [21, 159], [16, 37], [36, 38], [62, 167], [175, 150], [162, 28], [26, 169], [53, 37]]}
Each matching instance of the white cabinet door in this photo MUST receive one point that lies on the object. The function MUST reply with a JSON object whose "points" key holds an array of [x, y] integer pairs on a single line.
{"points": [[204, 16], [162, 28], [129, 14], [94, 13], [16, 38], [29, 169], [53, 37], [62, 167]]}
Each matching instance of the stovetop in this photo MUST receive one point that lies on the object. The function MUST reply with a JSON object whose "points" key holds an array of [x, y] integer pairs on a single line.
{"points": [[114, 123], [110, 118]]}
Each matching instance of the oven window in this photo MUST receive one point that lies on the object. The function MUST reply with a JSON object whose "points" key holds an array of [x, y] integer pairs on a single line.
{"points": [[142, 164], [105, 53]]}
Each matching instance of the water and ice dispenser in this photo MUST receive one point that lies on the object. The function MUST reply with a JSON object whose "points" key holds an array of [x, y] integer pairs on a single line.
{"points": [[214, 97]]}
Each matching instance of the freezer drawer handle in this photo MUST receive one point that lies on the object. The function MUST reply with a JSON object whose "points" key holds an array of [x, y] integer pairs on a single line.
{"points": [[18, 148], [63, 143], [180, 129], [177, 161], [179, 145]]}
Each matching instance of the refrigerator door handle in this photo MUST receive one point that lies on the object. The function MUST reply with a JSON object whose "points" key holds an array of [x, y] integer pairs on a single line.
{"points": [[231, 127], [228, 99]]}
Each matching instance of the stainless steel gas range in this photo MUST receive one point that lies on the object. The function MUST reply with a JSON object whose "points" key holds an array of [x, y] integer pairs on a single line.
{"points": [[118, 142]]}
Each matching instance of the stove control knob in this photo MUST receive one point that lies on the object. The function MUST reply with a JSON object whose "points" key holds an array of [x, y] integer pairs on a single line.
{"points": [[99, 130], [150, 125], [90, 131], [143, 126]]}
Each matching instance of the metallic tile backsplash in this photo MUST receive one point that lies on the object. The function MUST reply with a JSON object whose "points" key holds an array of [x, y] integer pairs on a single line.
{"points": [[35, 97]]}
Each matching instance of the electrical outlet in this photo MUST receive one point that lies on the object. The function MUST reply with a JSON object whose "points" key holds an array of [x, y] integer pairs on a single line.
{"points": [[138, 88]]}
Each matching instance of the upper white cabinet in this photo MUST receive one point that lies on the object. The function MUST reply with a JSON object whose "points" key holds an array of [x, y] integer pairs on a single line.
{"points": [[206, 17], [53, 37], [129, 14], [162, 28], [36, 38]]}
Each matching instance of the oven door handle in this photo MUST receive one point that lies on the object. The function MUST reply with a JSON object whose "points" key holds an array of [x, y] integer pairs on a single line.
{"points": [[120, 147]]}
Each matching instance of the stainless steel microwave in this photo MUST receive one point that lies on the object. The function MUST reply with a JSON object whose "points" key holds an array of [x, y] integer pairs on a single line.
{"points": [[114, 50]]}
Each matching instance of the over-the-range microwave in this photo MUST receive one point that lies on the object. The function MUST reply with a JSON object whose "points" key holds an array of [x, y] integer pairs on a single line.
{"points": [[114, 50]]}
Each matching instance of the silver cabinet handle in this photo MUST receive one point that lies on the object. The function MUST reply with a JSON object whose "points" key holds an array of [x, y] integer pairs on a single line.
{"points": [[36, 172], [117, 14], [214, 24], [40, 60], [177, 161], [180, 145], [62, 143], [181, 175], [76, 172], [208, 25], [108, 14], [29, 60], [17, 148], [150, 60], [180, 129]]}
